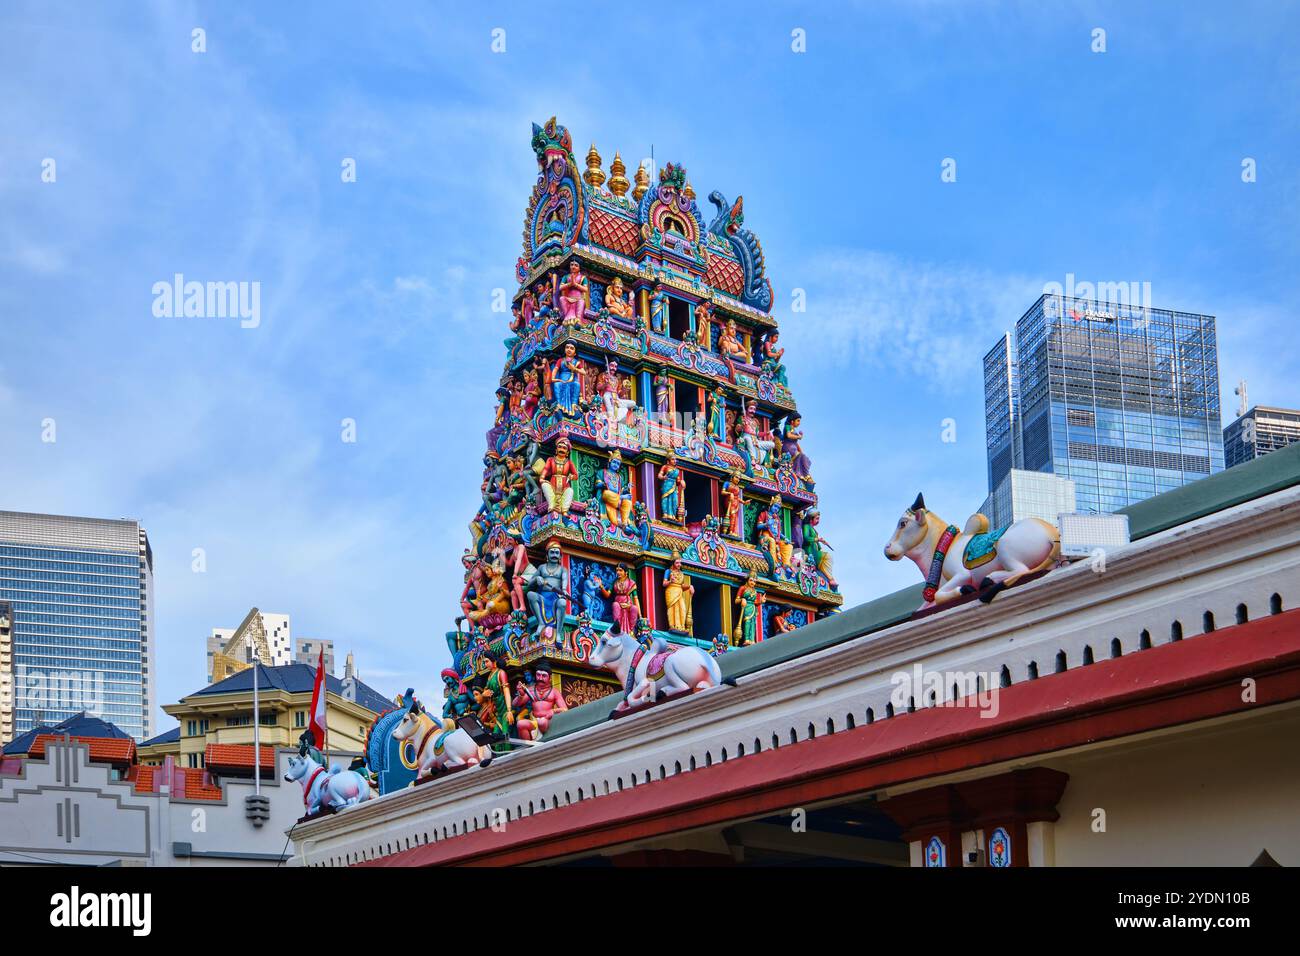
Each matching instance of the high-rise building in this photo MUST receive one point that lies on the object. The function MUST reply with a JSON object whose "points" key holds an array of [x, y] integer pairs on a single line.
{"points": [[306, 650], [1029, 494], [1121, 399], [271, 636], [1259, 431], [79, 592]]}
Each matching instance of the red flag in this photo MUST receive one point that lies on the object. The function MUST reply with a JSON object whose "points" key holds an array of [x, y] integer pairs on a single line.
{"points": [[317, 723]]}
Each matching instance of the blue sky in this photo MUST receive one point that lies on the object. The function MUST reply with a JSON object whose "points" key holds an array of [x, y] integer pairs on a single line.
{"points": [[376, 295]]}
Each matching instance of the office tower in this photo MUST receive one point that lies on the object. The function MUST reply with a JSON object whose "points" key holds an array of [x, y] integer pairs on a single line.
{"points": [[79, 592], [1259, 431], [1121, 399]]}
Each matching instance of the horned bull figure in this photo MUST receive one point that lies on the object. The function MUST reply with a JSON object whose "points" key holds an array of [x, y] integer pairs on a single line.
{"points": [[959, 562], [661, 669], [332, 789], [440, 744]]}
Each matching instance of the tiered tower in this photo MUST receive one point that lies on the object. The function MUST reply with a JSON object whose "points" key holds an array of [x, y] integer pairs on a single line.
{"points": [[645, 470]]}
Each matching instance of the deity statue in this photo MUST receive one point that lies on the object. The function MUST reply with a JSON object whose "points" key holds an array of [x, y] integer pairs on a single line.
{"points": [[475, 581], [781, 623], [678, 595], [817, 549], [537, 701], [524, 313], [772, 354], [592, 603], [565, 380], [548, 594], [619, 302], [663, 391], [493, 605], [718, 414], [626, 603], [557, 475], [733, 493], [791, 444], [641, 520], [672, 487], [615, 487], [494, 703], [756, 449], [610, 388], [750, 601], [574, 296], [530, 395], [659, 312], [730, 347], [545, 300], [772, 540], [459, 701], [519, 566], [703, 331]]}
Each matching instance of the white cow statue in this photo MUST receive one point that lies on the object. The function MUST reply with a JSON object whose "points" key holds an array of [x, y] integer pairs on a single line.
{"points": [[959, 562], [332, 789], [662, 669], [439, 745]]}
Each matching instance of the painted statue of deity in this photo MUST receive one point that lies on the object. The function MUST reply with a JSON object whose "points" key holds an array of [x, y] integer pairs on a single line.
{"points": [[792, 445], [530, 396], [718, 414], [494, 702], [524, 313], [672, 487], [730, 346], [592, 602], [757, 449], [548, 595], [557, 475], [536, 702], [520, 568], [618, 302], [816, 549], [615, 486], [545, 301], [659, 312], [566, 380], [458, 700], [610, 388], [493, 605], [733, 493], [781, 623], [663, 392], [626, 602], [475, 581], [772, 539], [749, 600], [574, 296], [772, 355], [678, 595]]}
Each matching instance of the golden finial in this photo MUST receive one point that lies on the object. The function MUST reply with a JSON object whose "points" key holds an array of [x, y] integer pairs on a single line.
{"points": [[593, 175], [618, 176], [642, 182], [689, 191]]}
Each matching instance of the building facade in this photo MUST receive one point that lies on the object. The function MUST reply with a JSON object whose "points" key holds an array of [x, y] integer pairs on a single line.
{"points": [[1122, 400], [306, 650], [1259, 431], [274, 648], [80, 592], [1029, 494]]}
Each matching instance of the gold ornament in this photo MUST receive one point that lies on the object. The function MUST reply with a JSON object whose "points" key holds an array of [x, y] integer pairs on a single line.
{"points": [[642, 182], [593, 175], [618, 176]]}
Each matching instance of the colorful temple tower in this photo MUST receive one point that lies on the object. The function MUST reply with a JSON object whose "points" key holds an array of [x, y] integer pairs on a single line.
{"points": [[645, 470]]}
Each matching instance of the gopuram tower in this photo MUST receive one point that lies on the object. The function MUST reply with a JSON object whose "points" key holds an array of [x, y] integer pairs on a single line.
{"points": [[645, 470]]}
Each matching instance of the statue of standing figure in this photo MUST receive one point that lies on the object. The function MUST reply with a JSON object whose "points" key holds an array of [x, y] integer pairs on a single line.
{"points": [[626, 603], [733, 493], [558, 475], [548, 595], [679, 593], [750, 600], [672, 486], [537, 701]]}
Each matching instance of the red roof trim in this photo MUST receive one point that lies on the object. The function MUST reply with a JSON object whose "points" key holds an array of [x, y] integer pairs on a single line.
{"points": [[103, 749], [237, 755], [1195, 679]]}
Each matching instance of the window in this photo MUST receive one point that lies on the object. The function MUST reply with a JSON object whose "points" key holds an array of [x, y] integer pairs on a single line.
{"points": [[300, 718]]}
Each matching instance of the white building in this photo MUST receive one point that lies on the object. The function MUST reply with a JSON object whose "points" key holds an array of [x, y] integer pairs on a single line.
{"points": [[1029, 494]]}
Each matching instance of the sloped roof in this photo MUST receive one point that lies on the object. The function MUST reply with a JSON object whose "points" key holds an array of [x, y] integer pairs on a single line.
{"points": [[166, 737], [80, 725], [238, 756], [115, 750], [293, 679]]}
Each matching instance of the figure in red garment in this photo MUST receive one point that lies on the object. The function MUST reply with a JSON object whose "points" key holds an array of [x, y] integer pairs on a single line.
{"points": [[543, 700]]}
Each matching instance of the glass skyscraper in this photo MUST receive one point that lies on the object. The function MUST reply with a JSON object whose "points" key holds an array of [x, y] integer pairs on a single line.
{"points": [[1121, 399], [80, 591]]}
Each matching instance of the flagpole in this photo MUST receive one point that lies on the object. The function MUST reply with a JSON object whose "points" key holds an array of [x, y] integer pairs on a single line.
{"points": [[257, 729]]}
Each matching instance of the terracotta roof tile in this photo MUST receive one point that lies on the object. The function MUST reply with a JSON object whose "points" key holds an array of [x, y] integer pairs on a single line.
{"points": [[237, 755], [104, 749]]}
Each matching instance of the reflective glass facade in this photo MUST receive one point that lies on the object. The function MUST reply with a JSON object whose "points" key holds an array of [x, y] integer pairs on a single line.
{"points": [[80, 591], [1123, 400]]}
